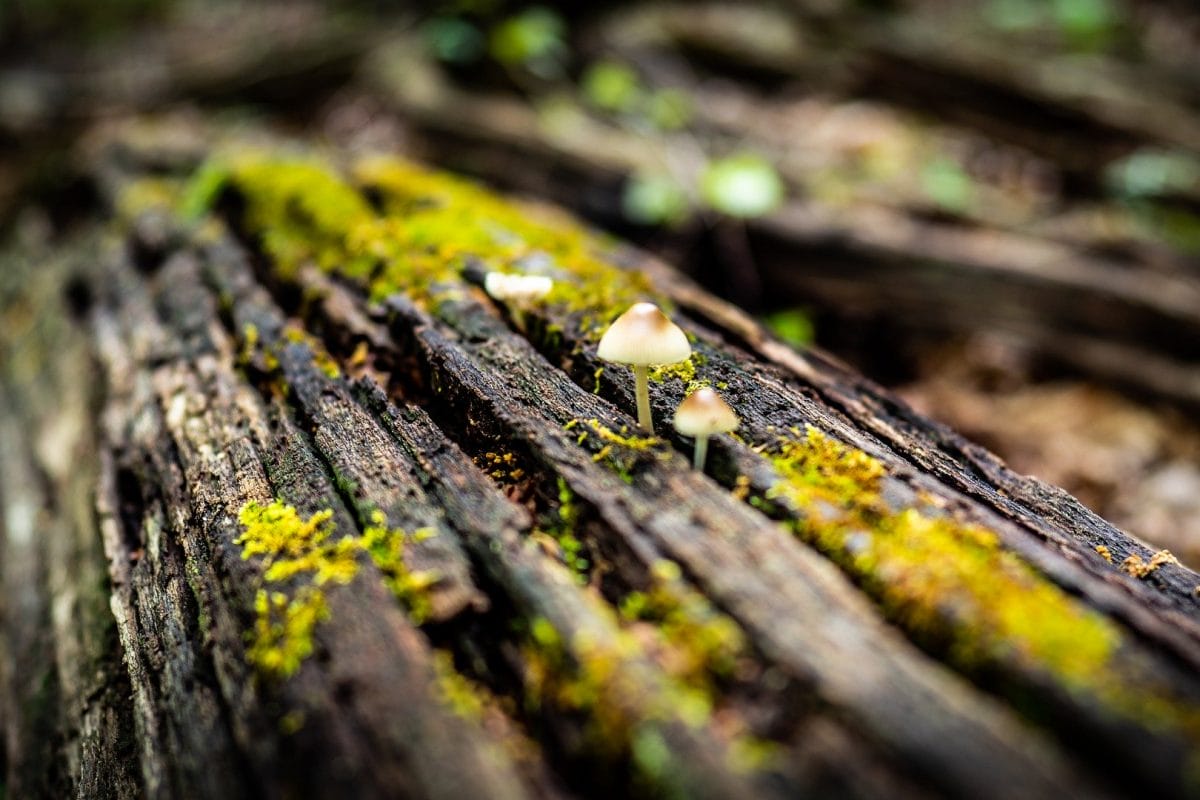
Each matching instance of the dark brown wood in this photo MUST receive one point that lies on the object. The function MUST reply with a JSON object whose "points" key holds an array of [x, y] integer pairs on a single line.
{"points": [[765, 667]]}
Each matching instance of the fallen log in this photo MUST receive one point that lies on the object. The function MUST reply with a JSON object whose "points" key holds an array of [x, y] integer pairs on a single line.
{"points": [[369, 530]]}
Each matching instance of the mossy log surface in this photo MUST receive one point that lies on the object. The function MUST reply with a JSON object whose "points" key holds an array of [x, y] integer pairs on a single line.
{"points": [[292, 508], [1126, 315]]}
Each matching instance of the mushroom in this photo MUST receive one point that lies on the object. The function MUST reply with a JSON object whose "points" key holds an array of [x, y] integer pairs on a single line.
{"points": [[517, 291], [701, 414], [640, 337]]}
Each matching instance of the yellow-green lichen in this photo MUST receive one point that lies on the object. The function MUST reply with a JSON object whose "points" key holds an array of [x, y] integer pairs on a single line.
{"points": [[461, 695], [620, 451], [411, 587], [147, 195], [320, 356], [301, 556], [464, 219], [698, 644], [291, 549], [953, 585], [430, 226]]}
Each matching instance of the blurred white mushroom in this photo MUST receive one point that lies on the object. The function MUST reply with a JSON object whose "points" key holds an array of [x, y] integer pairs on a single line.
{"points": [[702, 414], [518, 292]]}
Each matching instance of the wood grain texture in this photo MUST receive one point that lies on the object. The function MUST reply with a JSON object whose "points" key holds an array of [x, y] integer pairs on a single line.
{"points": [[579, 616]]}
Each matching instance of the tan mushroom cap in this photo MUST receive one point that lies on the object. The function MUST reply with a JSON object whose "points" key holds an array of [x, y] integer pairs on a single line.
{"points": [[643, 336], [703, 413]]}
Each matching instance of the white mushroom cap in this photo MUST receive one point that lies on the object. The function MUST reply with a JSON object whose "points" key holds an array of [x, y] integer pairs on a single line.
{"points": [[703, 413], [642, 336], [516, 288]]}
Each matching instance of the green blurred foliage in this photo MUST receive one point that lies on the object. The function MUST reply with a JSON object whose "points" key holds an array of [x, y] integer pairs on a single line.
{"points": [[611, 86], [742, 185], [1083, 24], [669, 109], [654, 200], [792, 325], [453, 40], [948, 184], [1151, 172], [534, 39]]}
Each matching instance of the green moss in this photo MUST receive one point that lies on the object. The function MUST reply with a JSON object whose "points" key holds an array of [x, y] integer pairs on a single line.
{"points": [[283, 630], [954, 587], [683, 371], [698, 644], [432, 224], [320, 355], [302, 212], [559, 527], [386, 548], [301, 556], [147, 194], [463, 219], [249, 343], [619, 451], [462, 696], [591, 679]]}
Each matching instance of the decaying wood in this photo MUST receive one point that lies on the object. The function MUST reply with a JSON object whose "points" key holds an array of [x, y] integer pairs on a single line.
{"points": [[1127, 317], [171, 375]]}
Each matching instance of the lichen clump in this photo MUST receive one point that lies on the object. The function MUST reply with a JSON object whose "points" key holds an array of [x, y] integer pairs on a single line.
{"points": [[302, 556], [291, 548], [1138, 568], [698, 644], [620, 451], [386, 547], [953, 586]]}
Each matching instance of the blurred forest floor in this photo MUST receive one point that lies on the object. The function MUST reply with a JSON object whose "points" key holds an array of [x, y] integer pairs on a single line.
{"points": [[993, 207]]}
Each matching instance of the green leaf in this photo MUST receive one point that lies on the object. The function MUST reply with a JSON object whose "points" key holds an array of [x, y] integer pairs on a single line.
{"points": [[669, 109], [611, 86], [453, 40], [947, 184], [654, 200], [1150, 173], [534, 39], [792, 326], [743, 185]]}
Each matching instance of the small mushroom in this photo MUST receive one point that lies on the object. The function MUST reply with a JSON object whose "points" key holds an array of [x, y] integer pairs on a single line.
{"points": [[701, 414], [517, 291], [640, 337]]}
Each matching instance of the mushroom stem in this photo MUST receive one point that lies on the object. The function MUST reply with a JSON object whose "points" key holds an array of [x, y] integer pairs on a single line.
{"points": [[701, 453], [641, 374]]}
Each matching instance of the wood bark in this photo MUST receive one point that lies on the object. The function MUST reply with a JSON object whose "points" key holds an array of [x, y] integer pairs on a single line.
{"points": [[161, 377]]}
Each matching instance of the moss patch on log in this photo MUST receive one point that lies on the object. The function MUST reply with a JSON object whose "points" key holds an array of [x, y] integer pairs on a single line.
{"points": [[430, 227], [300, 555], [299, 558], [386, 547], [954, 587]]}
